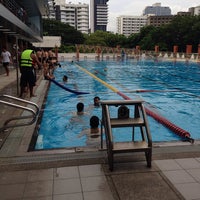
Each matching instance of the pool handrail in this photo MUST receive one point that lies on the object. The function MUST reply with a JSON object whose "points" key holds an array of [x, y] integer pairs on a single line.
{"points": [[34, 112]]}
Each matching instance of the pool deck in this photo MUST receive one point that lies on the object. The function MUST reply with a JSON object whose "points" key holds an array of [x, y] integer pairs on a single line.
{"points": [[82, 174]]}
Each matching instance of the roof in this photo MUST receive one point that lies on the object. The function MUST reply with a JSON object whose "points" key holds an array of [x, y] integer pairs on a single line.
{"points": [[48, 42]]}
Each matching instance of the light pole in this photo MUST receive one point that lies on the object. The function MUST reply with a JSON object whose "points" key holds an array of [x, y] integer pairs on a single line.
{"points": [[17, 61]]}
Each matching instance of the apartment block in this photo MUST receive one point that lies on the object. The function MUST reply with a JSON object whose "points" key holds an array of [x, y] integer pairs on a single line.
{"points": [[159, 20], [128, 25], [76, 15]]}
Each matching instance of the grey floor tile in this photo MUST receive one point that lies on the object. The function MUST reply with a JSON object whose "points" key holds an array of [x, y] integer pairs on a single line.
{"points": [[190, 191], [98, 195], [167, 164], [39, 198], [11, 191], [66, 172], [75, 196], [195, 173], [38, 189], [91, 170], [179, 176], [188, 163], [94, 183], [13, 177], [66, 186], [40, 175]]}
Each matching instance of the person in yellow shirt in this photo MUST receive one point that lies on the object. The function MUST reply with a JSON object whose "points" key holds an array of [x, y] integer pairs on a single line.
{"points": [[27, 64]]}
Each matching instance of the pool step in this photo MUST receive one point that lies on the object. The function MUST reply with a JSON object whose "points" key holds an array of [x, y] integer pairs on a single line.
{"points": [[138, 119]]}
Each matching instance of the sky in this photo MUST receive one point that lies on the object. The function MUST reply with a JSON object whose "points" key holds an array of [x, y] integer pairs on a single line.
{"points": [[136, 7]]}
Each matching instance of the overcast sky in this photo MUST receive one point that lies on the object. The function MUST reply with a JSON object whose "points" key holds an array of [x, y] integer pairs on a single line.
{"points": [[136, 7]]}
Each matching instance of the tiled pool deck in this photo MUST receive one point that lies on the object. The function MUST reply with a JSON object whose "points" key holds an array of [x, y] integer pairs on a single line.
{"points": [[67, 174]]}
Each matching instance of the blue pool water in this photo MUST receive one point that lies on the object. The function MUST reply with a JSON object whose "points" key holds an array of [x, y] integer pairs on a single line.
{"points": [[174, 93]]}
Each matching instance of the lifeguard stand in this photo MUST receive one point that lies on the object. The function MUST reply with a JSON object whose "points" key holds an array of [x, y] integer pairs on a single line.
{"points": [[137, 119]]}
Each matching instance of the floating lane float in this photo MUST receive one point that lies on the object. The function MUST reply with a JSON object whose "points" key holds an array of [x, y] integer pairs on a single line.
{"points": [[174, 128], [179, 131], [67, 89]]}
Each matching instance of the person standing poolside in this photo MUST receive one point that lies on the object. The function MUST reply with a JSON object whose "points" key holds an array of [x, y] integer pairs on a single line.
{"points": [[48, 71], [6, 59], [40, 58], [27, 62]]}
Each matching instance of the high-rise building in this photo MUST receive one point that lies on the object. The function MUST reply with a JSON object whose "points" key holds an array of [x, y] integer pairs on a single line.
{"points": [[52, 10], [76, 15], [98, 15], [128, 25], [157, 9]]}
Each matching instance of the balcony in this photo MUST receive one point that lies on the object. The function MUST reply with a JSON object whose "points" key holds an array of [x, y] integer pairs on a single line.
{"points": [[22, 18]]}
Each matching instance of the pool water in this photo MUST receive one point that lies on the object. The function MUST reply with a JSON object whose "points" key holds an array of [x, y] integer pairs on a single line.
{"points": [[169, 89]]}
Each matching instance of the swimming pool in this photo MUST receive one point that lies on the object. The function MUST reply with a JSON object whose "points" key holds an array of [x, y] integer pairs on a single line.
{"points": [[169, 89]]}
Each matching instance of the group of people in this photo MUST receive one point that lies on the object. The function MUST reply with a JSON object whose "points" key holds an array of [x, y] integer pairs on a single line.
{"points": [[29, 62], [27, 59], [93, 133]]}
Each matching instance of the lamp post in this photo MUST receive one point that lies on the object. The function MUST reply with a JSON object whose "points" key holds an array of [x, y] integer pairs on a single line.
{"points": [[17, 61]]}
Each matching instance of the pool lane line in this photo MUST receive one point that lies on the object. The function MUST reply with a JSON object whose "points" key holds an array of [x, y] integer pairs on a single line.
{"points": [[177, 130], [98, 79], [137, 90], [182, 77], [170, 86]]}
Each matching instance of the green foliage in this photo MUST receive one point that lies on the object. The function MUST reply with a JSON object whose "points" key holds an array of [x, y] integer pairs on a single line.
{"points": [[97, 38], [181, 31], [69, 35], [67, 49]]}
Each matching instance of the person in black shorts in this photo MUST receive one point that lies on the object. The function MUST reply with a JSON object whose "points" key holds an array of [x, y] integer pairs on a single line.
{"points": [[27, 62]]}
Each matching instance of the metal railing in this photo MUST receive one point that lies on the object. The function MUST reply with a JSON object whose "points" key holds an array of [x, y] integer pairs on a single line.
{"points": [[9, 123], [17, 9]]}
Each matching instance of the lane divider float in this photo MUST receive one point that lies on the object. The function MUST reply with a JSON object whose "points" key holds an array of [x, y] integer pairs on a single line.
{"points": [[67, 89]]}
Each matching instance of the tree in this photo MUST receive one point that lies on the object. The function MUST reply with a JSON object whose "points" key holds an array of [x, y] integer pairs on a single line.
{"points": [[183, 30], [68, 33]]}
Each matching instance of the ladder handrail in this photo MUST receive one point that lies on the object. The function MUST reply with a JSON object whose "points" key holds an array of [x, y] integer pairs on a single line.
{"points": [[22, 100], [33, 115], [139, 119]]}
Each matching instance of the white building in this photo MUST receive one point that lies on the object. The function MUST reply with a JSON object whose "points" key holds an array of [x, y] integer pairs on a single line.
{"points": [[128, 25], [76, 15], [197, 10]]}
